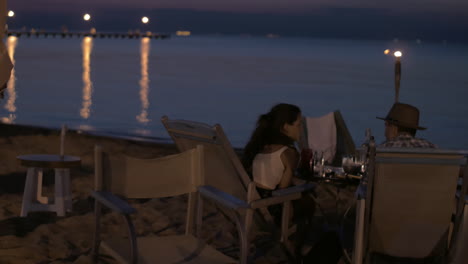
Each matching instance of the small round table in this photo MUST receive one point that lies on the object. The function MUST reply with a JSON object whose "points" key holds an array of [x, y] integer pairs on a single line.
{"points": [[35, 163]]}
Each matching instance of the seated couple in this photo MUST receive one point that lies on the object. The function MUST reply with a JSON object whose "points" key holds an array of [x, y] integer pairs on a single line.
{"points": [[271, 156]]}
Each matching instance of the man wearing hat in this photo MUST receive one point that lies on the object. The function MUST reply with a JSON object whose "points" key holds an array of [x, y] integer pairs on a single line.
{"points": [[401, 124]]}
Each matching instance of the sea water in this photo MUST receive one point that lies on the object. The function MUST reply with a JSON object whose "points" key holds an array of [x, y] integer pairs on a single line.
{"points": [[124, 86]]}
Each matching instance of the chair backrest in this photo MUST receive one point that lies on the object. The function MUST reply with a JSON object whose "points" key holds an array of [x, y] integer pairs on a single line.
{"points": [[223, 169], [328, 133], [149, 178], [412, 199]]}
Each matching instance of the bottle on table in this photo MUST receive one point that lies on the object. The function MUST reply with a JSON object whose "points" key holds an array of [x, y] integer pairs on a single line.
{"points": [[364, 150]]}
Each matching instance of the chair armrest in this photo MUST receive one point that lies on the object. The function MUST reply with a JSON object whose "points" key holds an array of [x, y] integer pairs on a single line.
{"points": [[295, 189], [260, 203], [222, 198], [113, 202], [458, 197]]}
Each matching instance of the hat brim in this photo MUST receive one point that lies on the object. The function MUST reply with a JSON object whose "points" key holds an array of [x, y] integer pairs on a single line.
{"points": [[401, 124]]}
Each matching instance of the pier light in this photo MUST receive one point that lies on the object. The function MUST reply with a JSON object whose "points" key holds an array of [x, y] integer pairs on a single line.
{"points": [[145, 20], [11, 13], [87, 17], [397, 54]]}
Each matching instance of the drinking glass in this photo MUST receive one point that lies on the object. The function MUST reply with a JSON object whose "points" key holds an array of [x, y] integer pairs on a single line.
{"points": [[351, 164], [318, 163]]}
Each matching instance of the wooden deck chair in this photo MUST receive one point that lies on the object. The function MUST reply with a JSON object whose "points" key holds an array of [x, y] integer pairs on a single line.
{"points": [[410, 203], [122, 176], [338, 141], [225, 172], [460, 252]]}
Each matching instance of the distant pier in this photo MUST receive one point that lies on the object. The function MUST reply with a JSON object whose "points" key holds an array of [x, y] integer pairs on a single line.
{"points": [[55, 34]]}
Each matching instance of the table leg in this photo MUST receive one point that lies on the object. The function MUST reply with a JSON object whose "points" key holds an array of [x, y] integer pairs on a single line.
{"points": [[28, 191], [39, 197], [59, 192], [67, 190]]}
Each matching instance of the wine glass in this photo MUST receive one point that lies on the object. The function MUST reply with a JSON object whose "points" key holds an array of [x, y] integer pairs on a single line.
{"points": [[351, 164]]}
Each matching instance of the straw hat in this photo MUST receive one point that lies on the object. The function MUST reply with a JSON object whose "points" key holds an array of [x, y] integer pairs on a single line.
{"points": [[403, 115]]}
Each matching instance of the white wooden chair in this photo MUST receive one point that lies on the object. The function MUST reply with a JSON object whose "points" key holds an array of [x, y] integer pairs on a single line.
{"points": [[409, 205], [460, 253], [122, 176], [331, 136], [224, 173]]}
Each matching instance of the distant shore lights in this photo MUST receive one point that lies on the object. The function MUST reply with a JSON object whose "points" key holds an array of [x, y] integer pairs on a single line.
{"points": [[86, 17], [145, 20], [11, 13]]}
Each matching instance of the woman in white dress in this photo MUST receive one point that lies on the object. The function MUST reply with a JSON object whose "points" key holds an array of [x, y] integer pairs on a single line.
{"points": [[272, 158]]}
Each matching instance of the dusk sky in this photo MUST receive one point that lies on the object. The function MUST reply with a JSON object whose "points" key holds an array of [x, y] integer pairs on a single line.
{"points": [[426, 19], [270, 6]]}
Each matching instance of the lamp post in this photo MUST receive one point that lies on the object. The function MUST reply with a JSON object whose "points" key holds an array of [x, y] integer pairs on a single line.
{"points": [[397, 55], [145, 20], [10, 15], [87, 18]]}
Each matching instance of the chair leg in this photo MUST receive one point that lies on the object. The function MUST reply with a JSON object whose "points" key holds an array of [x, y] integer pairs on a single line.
{"points": [[359, 232], [285, 228], [67, 190], [462, 240], [97, 230]]}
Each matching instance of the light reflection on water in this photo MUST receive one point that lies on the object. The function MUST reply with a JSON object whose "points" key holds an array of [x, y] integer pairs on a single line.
{"points": [[230, 80], [10, 106], [144, 82], [87, 47]]}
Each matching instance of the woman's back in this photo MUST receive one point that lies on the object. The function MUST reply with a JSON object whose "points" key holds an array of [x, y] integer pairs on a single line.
{"points": [[268, 168]]}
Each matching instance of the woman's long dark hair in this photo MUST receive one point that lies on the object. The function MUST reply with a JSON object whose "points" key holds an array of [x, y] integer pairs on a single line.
{"points": [[268, 131]]}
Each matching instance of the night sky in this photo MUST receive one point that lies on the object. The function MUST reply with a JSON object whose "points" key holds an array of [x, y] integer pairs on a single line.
{"points": [[417, 19]]}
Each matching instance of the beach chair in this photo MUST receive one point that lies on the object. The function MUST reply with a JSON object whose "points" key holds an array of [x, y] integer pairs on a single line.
{"points": [[225, 173], [118, 176], [460, 253], [409, 212], [327, 134]]}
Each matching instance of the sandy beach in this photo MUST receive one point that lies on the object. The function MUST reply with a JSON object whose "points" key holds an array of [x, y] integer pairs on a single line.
{"points": [[42, 237]]}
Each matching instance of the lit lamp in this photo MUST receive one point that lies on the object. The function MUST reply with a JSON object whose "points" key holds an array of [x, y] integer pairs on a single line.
{"points": [[397, 55], [86, 17], [145, 20], [10, 14]]}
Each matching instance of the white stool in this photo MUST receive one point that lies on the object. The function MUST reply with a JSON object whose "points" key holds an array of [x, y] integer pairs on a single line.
{"points": [[32, 196]]}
